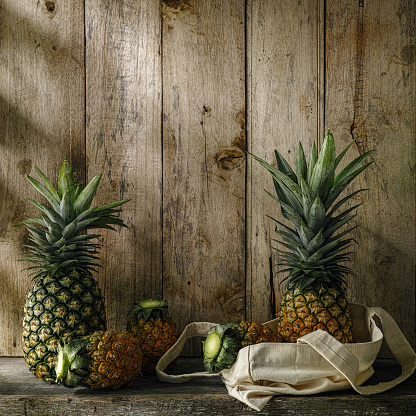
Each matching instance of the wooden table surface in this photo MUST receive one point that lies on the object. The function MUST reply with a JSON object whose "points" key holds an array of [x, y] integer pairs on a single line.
{"points": [[22, 394]]}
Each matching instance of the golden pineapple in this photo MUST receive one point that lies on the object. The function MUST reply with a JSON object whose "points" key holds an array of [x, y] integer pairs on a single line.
{"points": [[254, 333], [315, 288], [302, 313], [149, 322], [103, 360]]}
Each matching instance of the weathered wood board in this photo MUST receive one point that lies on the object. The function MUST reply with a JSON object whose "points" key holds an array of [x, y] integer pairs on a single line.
{"points": [[163, 97], [123, 141], [370, 96], [203, 160]]}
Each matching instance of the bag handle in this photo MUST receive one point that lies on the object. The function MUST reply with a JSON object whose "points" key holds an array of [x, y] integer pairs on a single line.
{"points": [[346, 363], [195, 329]]}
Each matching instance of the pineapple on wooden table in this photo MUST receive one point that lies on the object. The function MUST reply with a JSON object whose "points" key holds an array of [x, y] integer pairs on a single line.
{"points": [[315, 287], [224, 341], [150, 322], [102, 360], [65, 298]]}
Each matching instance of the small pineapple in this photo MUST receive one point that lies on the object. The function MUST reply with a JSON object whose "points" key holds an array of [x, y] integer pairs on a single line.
{"points": [[254, 333], [65, 298], [102, 360], [149, 322], [224, 341], [315, 288]]}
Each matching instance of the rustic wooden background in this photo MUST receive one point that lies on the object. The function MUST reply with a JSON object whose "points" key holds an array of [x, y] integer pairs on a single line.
{"points": [[163, 97]]}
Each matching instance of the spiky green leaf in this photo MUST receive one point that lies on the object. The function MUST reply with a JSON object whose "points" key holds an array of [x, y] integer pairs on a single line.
{"points": [[287, 196], [316, 215], [341, 202], [70, 230], [301, 165], [284, 166], [316, 242], [66, 207], [47, 183], [305, 234], [336, 225], [351, 167], [313, 157], [285, 179], [308, 197], [323, 173], [342, 185], [84, 199], [45, 192], [342, 154]]}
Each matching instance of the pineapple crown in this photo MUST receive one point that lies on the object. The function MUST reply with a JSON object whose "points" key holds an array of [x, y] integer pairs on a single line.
{"points": [[221, 347], [59, 238], [306, 198], [149, 308], [72, 367]]}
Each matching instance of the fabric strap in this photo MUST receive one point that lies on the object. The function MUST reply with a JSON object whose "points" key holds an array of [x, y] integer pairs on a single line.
{"points": [[195, 329], [347, 364]]}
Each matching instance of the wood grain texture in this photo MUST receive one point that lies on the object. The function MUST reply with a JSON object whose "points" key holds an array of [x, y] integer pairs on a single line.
{"points": [[22, 394], [204, 160], [371, 95], [123, 78], [284, 88], [42, 99]]}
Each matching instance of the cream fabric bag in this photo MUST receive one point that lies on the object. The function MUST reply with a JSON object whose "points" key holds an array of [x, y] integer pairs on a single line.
{"points": [[316, 364]]}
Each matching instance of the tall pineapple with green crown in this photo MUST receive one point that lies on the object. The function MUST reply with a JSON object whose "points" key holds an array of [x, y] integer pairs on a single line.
{"points": [[316, 281], [65, 298]]}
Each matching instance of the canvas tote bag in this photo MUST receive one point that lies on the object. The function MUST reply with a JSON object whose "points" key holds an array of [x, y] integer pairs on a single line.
{"points": [[316, 364]]}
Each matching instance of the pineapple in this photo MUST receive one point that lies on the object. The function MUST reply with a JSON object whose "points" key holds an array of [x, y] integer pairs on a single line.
{"points": [[156, 331], [315, 286], [102, 360], [254, 333], [65, 298], [225, 340]]}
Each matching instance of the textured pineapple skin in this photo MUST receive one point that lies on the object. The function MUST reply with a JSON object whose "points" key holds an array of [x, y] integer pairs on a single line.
{"points": [[254, 333], [310, 310], [55, 308], [116, 359], [155, 336]]}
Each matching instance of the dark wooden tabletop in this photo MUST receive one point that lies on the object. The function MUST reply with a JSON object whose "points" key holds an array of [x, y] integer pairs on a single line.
{"points": [[22, 394]]}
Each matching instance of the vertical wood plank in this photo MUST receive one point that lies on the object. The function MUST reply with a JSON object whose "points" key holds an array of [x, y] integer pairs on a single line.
{"points": [[285, 84], [41, 119], [204, 161], [123, 78], [371, 94]]}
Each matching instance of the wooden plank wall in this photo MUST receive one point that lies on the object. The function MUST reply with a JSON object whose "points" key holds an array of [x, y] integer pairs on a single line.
{"points": [[163, 97]]}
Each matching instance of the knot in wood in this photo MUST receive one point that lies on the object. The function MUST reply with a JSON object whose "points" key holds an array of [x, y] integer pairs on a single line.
{"points": [[230, 158], [50, 6]]}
